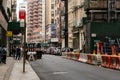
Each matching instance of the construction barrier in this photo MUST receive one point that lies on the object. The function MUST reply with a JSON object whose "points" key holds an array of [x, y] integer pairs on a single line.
{"points": [[118, 62], [89, 58], [64, 54], [94, 59], [31, 56], [106, 61], [75, 56], [111, 61], [115, 62], [83, 57], [69, 55]]}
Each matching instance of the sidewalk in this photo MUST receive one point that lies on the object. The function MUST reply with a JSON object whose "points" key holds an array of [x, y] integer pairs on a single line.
{"points": [[13, 70], [5, 69]]}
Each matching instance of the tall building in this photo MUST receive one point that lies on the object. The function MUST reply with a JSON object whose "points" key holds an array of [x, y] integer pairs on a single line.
{"points": [[5, 14], [53, 23], [76, 15], [13, 9], [58, 7], [35, 20]]}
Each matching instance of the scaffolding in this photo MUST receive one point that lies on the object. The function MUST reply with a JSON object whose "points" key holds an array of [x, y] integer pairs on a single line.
{"points": [[112, 14]]}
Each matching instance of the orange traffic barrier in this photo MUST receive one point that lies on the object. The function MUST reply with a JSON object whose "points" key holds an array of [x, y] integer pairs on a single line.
{"points": [[106, 61], [89, 60], [103, 61], [115, 62], [77, 56], [118, 62], [69, 55]]}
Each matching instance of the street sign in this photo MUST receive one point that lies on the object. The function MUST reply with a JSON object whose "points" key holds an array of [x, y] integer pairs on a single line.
{"points": [[9, 33], [22, 14], [22, 24]]}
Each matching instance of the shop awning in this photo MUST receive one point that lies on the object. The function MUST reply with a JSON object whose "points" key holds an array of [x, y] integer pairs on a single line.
{"points": [[14, 27]]}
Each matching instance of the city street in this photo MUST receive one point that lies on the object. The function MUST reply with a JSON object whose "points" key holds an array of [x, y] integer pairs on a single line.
{"points": [[52, 67]]}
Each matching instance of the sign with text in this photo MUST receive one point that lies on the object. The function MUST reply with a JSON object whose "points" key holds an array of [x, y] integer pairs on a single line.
{"points": [[9, 33]]}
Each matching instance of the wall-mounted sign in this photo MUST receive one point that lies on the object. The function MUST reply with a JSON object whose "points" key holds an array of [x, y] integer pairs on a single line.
{"points": [[9, 33], [22, 14]]}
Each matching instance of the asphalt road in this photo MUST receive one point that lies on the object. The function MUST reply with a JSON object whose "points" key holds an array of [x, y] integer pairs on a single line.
{"points": [[52, 67]]}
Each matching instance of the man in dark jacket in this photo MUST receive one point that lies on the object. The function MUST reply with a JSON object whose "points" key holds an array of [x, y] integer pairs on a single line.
{"points": [[4, 54]]}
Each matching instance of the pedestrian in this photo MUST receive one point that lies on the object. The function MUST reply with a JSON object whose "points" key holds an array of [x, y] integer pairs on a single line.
{"points": [[4, 54], [18, 54], [14, 52]]}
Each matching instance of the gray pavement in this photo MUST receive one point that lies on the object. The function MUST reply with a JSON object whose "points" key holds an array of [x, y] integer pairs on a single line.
{"points": [[13, 70], [5, 69]]}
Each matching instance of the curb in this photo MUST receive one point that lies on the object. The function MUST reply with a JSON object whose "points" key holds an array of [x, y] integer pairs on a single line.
{"points": [[8, 72]]}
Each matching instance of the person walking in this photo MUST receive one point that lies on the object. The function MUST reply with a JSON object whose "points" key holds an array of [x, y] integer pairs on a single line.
{"points": [[4, 54], [14, 52], [18, 55]]}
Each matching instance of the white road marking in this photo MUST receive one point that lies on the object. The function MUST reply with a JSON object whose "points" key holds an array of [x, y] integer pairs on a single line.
{"points": [[60, 72]]}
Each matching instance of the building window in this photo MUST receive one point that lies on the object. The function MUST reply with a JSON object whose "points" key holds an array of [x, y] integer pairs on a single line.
{"points": [[52, 20], [52, 13], [52, 6]]}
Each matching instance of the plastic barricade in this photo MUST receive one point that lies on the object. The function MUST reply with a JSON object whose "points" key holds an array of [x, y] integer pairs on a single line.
{"points": [[83, 57], [89, 58], [31, 56], [75, 56], [106, 61], [103, 64], [64, 54], [94, 59], [69, 55], [113, 61], [118, 62]]}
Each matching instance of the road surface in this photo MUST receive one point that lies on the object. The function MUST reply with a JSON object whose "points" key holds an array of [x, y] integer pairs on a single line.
{"points": [[52, 67]]}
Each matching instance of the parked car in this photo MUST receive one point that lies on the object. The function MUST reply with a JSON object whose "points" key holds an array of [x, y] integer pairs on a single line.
{"points": [[67, 49], [50, 50], [58, 51]]}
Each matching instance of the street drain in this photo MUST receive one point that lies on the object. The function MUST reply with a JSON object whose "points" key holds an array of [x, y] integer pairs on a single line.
{"points": [[60, 72]]}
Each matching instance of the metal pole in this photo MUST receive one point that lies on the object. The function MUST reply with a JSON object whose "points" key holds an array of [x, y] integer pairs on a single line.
{"points": [[66, 22], [24, 55]]}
